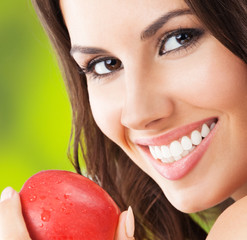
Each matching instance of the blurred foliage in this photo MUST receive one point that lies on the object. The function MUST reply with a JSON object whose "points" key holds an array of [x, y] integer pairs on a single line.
{"points": [[35, 115]]}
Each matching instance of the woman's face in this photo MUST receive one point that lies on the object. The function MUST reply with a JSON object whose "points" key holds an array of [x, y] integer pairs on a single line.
{"points": [[156, 78]]}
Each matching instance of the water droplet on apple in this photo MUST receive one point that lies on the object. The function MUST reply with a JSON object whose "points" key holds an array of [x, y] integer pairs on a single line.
{"points": [[33, 198], [41, 225], [45, 215]]}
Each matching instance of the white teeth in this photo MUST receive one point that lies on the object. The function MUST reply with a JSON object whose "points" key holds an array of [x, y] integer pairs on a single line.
{"points": [[177, 150], [167, 160], [212, 126], [158, 152], [165, 151], [196, 137], [151, 149], [205, 130], [163, 160], [185, 153], [177, 158], [186, 143], [171, 159]]}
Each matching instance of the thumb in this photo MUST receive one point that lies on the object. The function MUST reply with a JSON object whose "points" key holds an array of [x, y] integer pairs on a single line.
{"points": [[12, 225], [126, 226]]}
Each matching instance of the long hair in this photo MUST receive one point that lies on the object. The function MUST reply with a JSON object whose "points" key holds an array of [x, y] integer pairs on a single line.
{"points": [[105, 162]]}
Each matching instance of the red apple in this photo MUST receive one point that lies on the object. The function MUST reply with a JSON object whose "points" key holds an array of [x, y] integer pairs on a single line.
{"points": [[61, 205]]}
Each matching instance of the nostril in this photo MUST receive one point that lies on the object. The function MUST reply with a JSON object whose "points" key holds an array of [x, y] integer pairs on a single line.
{"points": [[145, 117], [141, 122], [146, 109], [153, 123]]}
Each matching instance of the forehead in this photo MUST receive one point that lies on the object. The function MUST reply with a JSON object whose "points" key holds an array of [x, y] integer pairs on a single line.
{"points": [[89, 21]]}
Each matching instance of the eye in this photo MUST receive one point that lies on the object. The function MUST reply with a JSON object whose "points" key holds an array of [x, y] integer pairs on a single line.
{"points": [[102, 67], [178, 39]]}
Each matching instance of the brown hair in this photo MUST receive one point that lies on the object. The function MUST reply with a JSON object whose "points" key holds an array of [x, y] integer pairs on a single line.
{"points": [[105, 162]]}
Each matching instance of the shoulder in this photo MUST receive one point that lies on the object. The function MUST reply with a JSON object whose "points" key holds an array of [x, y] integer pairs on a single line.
{"points": [[232, 223]]}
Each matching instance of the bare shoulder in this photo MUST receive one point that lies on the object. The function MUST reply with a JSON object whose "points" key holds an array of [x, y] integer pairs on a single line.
{"points": [[232, 223]]}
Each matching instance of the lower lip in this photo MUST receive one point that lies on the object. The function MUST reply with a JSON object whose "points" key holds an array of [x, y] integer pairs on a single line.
{"points": [[180, 168]]}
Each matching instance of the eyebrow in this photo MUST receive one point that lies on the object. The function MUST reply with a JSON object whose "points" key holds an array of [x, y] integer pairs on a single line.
{"points": [[145, 34], [87, 50], [160, 22]]}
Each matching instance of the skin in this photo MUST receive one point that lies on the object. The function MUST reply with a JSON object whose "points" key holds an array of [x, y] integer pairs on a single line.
{"points": [[12, 224], [231, 223], [153, 94]]}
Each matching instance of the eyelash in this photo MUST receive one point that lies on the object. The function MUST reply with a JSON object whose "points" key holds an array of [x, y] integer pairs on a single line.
{"points": [[196, 33], [89, 68]]}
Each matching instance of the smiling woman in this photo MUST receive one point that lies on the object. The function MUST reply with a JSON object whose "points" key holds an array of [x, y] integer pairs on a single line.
{"points": [[158, 92]]}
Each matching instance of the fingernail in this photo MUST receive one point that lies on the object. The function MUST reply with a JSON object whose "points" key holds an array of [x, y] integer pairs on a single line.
{"points": [[130, 223], [7, 193]]}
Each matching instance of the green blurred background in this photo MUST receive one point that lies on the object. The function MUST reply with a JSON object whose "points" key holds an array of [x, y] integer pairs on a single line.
{"points": [[35, 114]]}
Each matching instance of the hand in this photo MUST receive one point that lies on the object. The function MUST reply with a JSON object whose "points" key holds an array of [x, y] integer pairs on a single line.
{"points": [[12, 225], [126, 226]]}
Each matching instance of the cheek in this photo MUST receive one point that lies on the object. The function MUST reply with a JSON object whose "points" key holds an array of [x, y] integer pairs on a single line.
{"points": [[105, 102], [218, 80]]}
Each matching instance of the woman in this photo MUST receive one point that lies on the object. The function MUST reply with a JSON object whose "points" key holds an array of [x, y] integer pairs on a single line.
{"points": [[158, 92]]}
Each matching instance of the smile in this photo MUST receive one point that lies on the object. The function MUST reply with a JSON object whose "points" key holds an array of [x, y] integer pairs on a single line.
{"points": [[175, 153], [181, 147]]}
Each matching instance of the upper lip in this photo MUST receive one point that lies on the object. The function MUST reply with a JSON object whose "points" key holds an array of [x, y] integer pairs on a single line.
{"points": [[168, 137]]}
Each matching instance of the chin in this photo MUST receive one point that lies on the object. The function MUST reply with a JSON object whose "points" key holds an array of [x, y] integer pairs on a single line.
{"points": [[188, 208], [192, 204]]}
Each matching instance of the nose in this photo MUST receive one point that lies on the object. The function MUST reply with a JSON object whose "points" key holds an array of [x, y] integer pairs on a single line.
{"points": [[147, 104]]}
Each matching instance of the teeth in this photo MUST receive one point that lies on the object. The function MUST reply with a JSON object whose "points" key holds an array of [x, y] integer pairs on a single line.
{"points": [[151, 149], [177, 158], [212, 126], [205, 130], [158, 152], [185, 153], [176, 149], [196, 137], [186, 143], [166, 151], [171, 159], [167, 160], [179, 149]]}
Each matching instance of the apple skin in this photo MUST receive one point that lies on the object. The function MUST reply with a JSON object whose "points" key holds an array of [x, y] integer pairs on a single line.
{"points": [[62, 205]]}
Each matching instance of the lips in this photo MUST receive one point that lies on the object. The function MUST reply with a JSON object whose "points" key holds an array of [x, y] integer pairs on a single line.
{"points": [[176, 153], [181, 147]]}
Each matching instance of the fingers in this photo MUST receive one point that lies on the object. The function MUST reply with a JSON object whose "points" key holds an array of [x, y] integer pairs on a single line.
{"points": [[130, 223], [12, 225], [126, 226]]}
